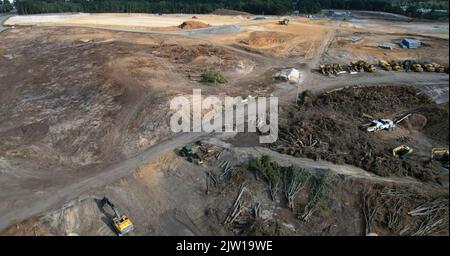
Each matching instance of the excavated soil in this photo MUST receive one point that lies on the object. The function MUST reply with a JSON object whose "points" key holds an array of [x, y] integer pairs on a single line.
{"points": [[328, 128], [267, 38], [191, 24]]}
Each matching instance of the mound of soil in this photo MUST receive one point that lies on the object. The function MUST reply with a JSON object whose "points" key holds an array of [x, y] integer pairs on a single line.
{"points": [[230, 12], [329, 129], [416, 122], [267, 38], [437, 123], [192, 24]]}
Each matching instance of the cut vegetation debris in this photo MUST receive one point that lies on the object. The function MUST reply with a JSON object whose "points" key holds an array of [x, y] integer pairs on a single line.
{"points": [[329, 130]]}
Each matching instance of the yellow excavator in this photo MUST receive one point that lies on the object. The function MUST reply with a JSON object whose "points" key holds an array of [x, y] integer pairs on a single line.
{"points": [[402, 151], [121, 223], [440, 155]]}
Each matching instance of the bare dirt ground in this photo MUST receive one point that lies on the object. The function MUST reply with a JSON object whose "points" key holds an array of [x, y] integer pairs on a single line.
{"points": [[155, 198], [343, 50], [87, 116], [120, 20]]}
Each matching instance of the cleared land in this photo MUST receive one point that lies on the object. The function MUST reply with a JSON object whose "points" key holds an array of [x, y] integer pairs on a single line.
{"points": [[88, 116]]}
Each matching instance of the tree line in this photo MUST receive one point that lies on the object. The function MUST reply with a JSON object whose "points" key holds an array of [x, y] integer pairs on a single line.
{"points": [[404, 7], [274, 7], [5, 6], [270, 7]]}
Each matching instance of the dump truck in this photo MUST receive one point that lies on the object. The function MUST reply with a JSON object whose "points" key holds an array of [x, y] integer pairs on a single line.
{"points": [[402, 151], [396, 65], [416, 67], [121, 223], [438, 68], [429, 67], [441, 155]]}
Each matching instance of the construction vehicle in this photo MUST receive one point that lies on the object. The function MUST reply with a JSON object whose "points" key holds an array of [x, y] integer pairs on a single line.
{"points": [[383, 124], [331, 69], [416, 67], [370, 68], [441, 155], [407, 65], [385, 65], [360, 66], [402, 151], [121, 223], [284, 21], [429, 67], [396, 66], [185, 151], [192, 157], [438, 68]]}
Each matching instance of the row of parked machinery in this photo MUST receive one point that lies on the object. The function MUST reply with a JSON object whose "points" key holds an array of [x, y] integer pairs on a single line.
{"points": [[353, 67], [410, 65], [393, 65]]}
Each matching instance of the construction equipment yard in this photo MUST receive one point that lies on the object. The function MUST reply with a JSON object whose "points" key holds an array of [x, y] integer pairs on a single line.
{"points": [[84, 115]]}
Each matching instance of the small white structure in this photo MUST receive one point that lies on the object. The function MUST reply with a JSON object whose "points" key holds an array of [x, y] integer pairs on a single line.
{"points": [[289, 74]]}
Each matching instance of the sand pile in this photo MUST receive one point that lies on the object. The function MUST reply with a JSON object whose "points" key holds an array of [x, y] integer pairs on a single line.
{"points": [[192, 24]]}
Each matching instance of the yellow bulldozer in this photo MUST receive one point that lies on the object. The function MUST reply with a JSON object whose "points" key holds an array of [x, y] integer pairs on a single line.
{"points": [[402, 151], [121, 223]]}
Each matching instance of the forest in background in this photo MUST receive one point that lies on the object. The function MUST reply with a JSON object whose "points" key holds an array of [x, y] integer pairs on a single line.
{"points": [[269, 7]]}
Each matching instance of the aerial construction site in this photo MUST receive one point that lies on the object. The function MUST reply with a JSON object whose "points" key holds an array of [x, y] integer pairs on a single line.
{"points": [[86, 147]]}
